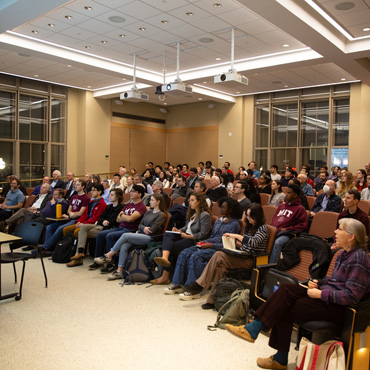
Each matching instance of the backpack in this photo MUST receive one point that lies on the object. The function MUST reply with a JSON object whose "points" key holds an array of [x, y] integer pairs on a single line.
{"points": [[236, 313], [65, 249], [223, 291], [154, 250], [137, 267]]}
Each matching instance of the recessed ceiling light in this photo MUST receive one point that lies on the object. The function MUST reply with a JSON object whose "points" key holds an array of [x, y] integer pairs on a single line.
{"points": [[366, 29], [164, 103], [35, 31], [104, 41], [36, 75], [164, 21], [51, 25], [200, 99], [238, 92], [89, 87], [206, 40], [285, 45], [218, 58], [204, 82], [346, 5], [87, 47], [286, 86], [190, 14], [88, 8], [68, 17], [69, 66], [142, 28], [217, 5], [343, 79], [122, 35], [117, 19]]}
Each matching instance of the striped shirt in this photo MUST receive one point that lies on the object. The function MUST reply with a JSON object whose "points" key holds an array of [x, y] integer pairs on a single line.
{"points": [[256, 243]]}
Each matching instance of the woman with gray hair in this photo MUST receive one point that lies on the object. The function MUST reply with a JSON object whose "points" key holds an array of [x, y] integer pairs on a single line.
{"points": [[323, 300]]}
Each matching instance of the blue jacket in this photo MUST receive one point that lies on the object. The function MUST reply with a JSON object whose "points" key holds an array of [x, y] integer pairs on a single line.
{"points": [[219, 229], [333, 205]]}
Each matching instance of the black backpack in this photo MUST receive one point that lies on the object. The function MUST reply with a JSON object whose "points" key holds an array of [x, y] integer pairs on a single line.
{"points": [[137, 267], [65, 249], [223, 291]]}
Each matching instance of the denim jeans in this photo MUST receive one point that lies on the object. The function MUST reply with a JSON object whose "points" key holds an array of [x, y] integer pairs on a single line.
{"points": [[126, 242], [190, 265], [54, 233], [103, 244], [276, 249]]}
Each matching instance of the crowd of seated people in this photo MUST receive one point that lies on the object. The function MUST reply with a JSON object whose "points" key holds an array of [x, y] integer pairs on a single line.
{"points": [[193, 257]]}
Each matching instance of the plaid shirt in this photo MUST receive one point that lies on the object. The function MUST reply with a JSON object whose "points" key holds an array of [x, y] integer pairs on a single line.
{"points": [[350, 280]]}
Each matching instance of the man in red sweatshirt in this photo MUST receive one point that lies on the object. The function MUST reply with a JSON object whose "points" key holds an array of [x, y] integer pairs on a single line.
{"points": [[290, 216]]}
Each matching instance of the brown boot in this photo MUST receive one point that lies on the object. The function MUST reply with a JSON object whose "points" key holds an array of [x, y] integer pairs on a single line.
{"points": [[77, 256], [74, 263]]}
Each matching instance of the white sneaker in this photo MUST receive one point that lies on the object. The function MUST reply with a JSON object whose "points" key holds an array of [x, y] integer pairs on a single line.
{"points": [[187, 296], [102, 259], [116, 275], [173, 289]]}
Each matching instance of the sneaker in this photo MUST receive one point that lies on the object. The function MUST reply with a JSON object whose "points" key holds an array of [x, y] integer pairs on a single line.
{"points": [[94, 266], [193, 288], [107, 269], [103, 259], [173, 289], [187, 296], [208, 306], [116, 275]]}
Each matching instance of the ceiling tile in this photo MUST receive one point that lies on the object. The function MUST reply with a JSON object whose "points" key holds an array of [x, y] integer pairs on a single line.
{"points": [[139, 10]]}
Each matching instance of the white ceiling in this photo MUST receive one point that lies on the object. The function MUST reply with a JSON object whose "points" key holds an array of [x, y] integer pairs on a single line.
{"points": [[279, 44]]}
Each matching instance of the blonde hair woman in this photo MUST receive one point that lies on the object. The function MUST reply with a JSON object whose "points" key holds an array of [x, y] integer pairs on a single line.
{"points": [[345, 183]]}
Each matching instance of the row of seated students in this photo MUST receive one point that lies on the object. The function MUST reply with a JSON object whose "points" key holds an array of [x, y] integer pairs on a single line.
{"points": [[193, 256]]}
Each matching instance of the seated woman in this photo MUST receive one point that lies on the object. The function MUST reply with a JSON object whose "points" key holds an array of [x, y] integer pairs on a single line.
{"points": [[198, 227], [193, 260], [345, 183], [324, 300], [253, 241], [264, 184], [277, 196], [150, 227]]}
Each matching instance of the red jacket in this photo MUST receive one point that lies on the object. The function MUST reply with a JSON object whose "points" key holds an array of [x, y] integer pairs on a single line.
{"points": [[290, 216], [96, 212]]}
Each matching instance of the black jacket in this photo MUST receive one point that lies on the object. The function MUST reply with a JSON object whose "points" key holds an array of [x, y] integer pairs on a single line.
{"points": [[333, 205]]}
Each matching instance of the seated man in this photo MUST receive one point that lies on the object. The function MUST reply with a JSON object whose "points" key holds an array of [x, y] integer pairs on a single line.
{"points": [[69, 180], [351, 209], [157, 188], [288, 175], [77, 206], [138, 180], [192, 261], [57, 182], [91, 215], [181, 188], [240, 189], [193, 178], [123, 175], [13, 201], [322, 177], [328, 201], [128, 219], [37, 205], [37, 189], [216, 190], [116, 182], [106, 193], [306, 188], [290, 217], [89, 182]]}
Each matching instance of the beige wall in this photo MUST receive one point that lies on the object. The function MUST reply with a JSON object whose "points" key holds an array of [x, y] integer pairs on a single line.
{"points": [[359, 133]]}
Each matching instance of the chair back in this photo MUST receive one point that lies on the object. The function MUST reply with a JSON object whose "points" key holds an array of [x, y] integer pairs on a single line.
{"points": [[264, 199], [30, 190], [207, 182], [179, 200], [324, 224], [168, 191], [364, 205], [29, 201], [269, 212], [126, 198], [167, 222], [310, 201], [271, 239], [216, 211], [30, 232], [300, 270]]}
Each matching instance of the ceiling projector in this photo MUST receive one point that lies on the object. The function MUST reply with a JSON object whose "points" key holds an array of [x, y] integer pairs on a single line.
{"points": [[134, 96], [176, 88], [230, 78]]}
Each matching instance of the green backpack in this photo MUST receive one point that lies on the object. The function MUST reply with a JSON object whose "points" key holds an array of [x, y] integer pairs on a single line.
{"points": [[236, 313]]}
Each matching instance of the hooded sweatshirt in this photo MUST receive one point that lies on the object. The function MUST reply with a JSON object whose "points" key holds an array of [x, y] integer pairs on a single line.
{"points": [[290, 216]]}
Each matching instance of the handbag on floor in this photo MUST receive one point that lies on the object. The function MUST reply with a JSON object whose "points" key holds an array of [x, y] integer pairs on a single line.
{"points": [[327, 356]]}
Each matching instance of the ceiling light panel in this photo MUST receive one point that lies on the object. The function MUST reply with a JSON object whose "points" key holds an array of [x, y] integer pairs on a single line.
{"points": [[173, 22], [209, 6], [78, 33], [198, 13], [79, 7], [61, 13]]}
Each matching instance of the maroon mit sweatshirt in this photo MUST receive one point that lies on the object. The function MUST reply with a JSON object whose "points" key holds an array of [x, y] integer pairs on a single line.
{"points": [[290, 216]]}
